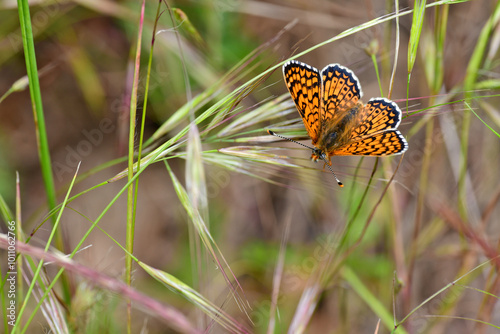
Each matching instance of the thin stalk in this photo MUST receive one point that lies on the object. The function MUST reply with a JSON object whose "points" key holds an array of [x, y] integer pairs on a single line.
{"points": [[145, 104], [469, 85], [153, 157], [131, 194], [439, 40], [422, 195], [38, 115], [436, 81], [415, 33], [396, 228], [19, 237], [375, 64], [36, 274], [396, 50]]}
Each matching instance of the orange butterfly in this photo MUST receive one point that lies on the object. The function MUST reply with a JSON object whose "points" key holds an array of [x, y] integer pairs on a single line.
{"points": [[337, 122]]}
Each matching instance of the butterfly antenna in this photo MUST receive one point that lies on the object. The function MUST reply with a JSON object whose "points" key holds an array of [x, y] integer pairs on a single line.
{"points": [[322, 156], [341, 185], [293, 141]]}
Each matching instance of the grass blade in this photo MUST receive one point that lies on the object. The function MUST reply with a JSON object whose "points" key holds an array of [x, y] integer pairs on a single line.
{"points": [[38, 114], [208, 241], [196, 298], [40, 264]]}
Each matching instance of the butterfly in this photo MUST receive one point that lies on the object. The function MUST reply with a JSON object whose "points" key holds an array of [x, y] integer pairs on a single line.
{"points": [[337, 122]]}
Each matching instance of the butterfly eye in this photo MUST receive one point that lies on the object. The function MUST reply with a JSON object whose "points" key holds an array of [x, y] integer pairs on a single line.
{"points": [[317, 154]]}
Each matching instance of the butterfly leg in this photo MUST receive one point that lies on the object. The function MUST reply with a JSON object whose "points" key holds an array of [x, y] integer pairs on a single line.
{"points": [[329, 163]]}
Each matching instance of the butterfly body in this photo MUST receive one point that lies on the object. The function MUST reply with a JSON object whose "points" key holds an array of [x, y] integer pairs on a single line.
{"points": [[337, 122], [336, 133]]}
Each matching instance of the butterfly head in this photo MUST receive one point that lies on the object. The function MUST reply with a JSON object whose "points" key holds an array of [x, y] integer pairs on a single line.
{"points": [[318, 154]]}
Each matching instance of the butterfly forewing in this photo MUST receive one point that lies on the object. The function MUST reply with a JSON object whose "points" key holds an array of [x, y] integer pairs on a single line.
{"points": [[341, 91], [303, 83]]}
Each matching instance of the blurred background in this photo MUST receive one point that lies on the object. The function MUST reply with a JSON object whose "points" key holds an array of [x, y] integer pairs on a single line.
{"points": [[436, 221]]}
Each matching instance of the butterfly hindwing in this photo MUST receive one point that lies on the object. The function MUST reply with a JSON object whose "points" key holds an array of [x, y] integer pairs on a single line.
{"points": [[379, 114], [303, 83], [341, 91], [381, 144], [374, 130]]}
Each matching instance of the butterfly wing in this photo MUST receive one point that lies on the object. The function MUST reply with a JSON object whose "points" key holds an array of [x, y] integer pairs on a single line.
{"points": [[383, 143], [303, 83], [341, 92], [379, 114], [373, 131]]}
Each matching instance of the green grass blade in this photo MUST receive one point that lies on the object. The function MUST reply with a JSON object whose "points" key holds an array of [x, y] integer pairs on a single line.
{"points": [[416, 31], [208, 240], [196, 298], [440, 30], [40, 264], [131, 194], [38, 114], [36, 99], [369, 298], [172, 317], [5, 211], [489, 127], [469, 82], [478, 55], [446, 287]]}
